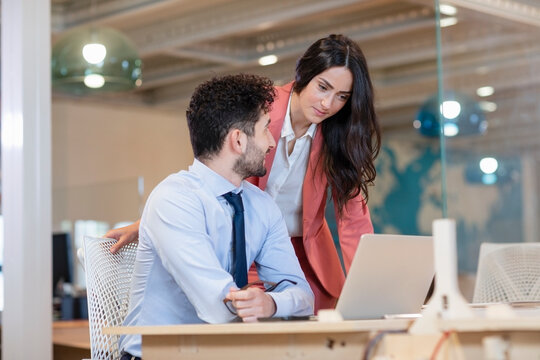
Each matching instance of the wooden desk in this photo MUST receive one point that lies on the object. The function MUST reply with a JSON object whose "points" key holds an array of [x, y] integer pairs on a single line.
{"points": [[71, 340], [478, 338], [267, 340]]}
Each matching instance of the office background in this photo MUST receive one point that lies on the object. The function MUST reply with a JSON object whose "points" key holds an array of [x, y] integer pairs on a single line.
{"points": [[110, 150]]}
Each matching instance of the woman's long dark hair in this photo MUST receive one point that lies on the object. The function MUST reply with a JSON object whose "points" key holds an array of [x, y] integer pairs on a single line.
{"points": [[352, 137]]}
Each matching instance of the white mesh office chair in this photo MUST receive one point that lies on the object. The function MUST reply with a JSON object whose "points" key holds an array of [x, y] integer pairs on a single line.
{"points": [[108, 281], [508, 272]]}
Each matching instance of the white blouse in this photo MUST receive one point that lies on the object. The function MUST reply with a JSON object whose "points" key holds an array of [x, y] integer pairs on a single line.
{"points": [[286, 177]]}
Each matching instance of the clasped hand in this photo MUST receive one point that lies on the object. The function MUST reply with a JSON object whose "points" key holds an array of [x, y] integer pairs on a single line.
{"points": [[251, 303]]}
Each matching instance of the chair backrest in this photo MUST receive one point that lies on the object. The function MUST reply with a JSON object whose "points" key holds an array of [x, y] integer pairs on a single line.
{"points": [[108, 282], [508, 272]]}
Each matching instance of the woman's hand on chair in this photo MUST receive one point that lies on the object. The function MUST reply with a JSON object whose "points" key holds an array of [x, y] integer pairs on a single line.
{"points": [[123, 235]]}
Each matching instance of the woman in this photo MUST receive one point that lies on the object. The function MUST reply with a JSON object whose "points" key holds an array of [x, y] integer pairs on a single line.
{"points": [[327, 136]]}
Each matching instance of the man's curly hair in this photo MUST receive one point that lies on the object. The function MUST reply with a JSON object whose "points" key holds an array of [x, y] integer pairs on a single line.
{"points": [[225, 103]]}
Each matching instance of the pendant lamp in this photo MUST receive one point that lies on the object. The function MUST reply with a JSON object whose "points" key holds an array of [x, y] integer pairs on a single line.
{"points": [[95, 59], [460, 114]]}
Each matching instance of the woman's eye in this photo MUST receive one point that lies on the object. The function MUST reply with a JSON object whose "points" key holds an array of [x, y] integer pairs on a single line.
{"points": [[322, 87]]}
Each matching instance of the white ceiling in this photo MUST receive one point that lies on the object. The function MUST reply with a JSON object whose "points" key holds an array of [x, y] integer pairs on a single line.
{"points": [[183, 42]]}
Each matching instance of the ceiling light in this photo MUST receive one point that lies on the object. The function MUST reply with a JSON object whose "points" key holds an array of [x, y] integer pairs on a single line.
{"points": [[268, 60], [488, 165], [94, 53], [447, 9], [450, 109], [485, 91], [449, 21], [90, 59], [488, 106], [458, 115], [450, 129], [94, 81], [489, 179]]}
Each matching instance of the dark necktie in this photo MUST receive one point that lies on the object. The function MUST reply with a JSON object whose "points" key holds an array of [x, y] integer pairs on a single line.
{"points": [[239, 238]]}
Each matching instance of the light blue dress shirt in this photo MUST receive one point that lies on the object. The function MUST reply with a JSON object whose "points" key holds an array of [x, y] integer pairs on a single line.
{"points": [[184, 257]]}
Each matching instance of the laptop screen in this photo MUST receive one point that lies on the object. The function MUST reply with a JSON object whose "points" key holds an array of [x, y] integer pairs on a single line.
{"points": [[389, 275]]}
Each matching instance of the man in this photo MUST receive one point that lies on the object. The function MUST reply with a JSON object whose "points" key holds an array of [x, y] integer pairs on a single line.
{"points": [[192, 224]]}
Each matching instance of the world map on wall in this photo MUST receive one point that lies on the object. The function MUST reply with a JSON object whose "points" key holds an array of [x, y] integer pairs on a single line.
{"points": [[407, 197]]}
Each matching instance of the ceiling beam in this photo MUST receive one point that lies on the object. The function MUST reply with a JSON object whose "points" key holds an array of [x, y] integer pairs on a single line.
{"points": [[109, 12], [517, 11], [226, 20], [289, 52], [209, 55]]}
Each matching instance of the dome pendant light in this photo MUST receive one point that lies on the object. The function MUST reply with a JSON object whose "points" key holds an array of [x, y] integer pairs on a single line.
{"points": [[460, 115], [95, 59]]}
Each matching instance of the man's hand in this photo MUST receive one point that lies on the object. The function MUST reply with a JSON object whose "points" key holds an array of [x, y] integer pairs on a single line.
{"points": [[252, 303], [123, 235]]}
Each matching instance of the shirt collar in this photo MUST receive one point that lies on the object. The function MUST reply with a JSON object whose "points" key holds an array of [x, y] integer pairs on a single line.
{"points": [[214, 182], [287, 129]]}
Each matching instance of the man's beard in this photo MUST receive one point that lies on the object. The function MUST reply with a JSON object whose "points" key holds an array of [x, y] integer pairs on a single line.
{"points": [[251, 163]]}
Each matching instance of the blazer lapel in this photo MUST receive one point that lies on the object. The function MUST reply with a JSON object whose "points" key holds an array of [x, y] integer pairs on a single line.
{"points": [[314, 188], [277, 117]]}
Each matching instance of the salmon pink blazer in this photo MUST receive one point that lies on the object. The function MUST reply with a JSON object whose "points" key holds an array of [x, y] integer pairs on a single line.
{"points": [[317, 239]]}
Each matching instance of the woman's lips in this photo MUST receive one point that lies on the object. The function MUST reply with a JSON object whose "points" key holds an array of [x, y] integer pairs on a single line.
{"points": [[319, 112]]}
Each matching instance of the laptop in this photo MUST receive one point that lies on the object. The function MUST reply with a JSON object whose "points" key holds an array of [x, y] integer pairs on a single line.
{"points": [[390, 276]]}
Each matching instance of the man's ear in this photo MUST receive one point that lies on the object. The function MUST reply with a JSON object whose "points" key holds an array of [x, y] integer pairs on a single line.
{"points": [[238, 140]]}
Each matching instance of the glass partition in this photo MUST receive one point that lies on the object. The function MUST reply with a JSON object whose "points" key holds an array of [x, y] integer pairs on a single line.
{"points": [[489, 98], [407, 195], [472, 150]]}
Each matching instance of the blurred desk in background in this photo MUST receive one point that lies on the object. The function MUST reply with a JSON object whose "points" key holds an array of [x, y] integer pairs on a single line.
{"points": [[71, 340]]}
